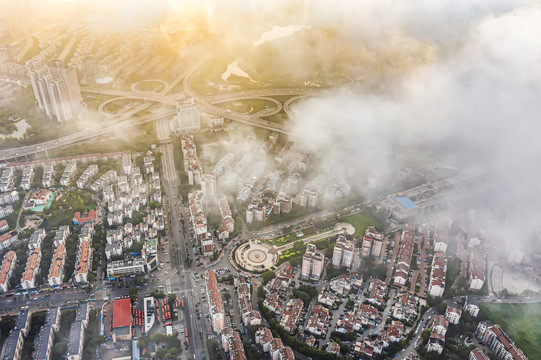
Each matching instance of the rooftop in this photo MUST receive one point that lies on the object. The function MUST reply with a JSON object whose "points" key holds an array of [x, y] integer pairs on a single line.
{"points": [[121, 313]]}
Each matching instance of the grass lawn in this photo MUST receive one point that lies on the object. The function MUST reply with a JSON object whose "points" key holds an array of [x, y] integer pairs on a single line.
{"points": [[521, 323], [58, 218], [361, 221]]}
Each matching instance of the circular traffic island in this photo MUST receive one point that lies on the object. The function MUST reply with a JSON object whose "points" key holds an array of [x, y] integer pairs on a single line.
{"points": [[255, 256]]}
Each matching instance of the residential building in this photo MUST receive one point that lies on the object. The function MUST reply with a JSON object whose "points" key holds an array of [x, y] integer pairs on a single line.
{"points": [[478, 354], [406, 305], [32, 268], [441, 234], [13, 346], [453, 313], [87, 175], [4, 226], [282, 204], [319, 320], [57, 90], [437, 276], [232, 344], [61, 235], [43, 343], [404, 256], [476, 276], [378, 291], [7, 179], [285, 151], [77, 333], [227, 225], [214, 299], [9, 198], [208, 187], [440, 324], [263, 337], [8, 239], [333, 348], [69, 76], [436, 341], [312, 263], [343, 252], [27, 177], [69, 173], [89, 70], [84, 262], [47, 179], [291, 315], [256, 211], [471, 308], [8, 265], [372, 242], [492, 336], [56, 271]]}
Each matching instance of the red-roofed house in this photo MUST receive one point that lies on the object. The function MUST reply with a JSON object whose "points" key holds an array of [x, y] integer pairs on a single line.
{"points": [[86, 218]]}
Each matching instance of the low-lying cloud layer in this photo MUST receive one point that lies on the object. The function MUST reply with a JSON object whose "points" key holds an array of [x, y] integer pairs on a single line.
{"points": [[476, 107]]}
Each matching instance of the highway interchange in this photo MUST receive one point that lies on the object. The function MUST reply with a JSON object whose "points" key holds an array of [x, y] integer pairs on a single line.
{"points": [[205, 103]]}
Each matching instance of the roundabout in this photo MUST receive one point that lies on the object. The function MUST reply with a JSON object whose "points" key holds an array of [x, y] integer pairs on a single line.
{"points": [[255, 256]]}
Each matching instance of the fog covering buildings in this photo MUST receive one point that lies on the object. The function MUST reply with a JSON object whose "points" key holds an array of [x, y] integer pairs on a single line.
{"points": [[56, 89]]}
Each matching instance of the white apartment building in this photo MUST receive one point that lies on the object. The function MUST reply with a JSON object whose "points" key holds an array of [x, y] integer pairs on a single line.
{"points": [[312, 263], [343, 252]]}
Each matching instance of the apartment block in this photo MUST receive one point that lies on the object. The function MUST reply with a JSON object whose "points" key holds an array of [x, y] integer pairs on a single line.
{"points": [[69, 173], [404, 256], [32, 268], [476, 275], [437, 276], [43, 343], [312, 263], [214, 299], [372, 242], [343, 252], [56, 271], [498, 341], [87, 175], [47, 179], [8, 265]]}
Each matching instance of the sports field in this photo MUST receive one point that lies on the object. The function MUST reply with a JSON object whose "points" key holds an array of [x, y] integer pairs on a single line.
{"points": [[521, 323]]}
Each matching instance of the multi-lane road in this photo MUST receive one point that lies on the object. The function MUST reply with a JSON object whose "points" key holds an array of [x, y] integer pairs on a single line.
{"points": [[182, 283]]}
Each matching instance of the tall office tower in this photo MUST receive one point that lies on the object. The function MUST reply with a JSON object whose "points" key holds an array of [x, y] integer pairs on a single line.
{"points": [[188, 117], [89, 70], [57, 90]]}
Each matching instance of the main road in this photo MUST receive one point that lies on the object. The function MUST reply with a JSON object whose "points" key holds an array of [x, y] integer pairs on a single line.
{"points": [[182, 283]]}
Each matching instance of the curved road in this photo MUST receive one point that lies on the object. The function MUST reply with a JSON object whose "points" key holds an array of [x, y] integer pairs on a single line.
{"points": [[134, 88], [288, 102]]}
